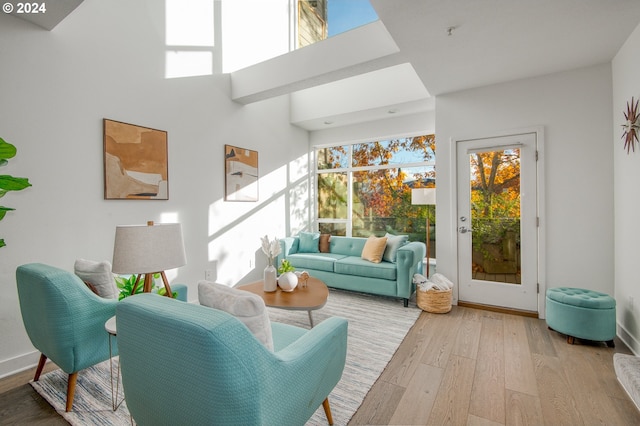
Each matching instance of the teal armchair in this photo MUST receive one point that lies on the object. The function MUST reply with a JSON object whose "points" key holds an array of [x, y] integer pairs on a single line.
{"points": [[64, 320], [184, 363]]}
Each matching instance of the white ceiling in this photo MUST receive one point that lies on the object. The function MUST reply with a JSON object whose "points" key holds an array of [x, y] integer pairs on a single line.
{"points": [[53, 14], [500, 40], [491, 41], [437, 47]]}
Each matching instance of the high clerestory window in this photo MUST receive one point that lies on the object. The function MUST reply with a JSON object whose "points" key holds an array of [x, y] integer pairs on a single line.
{"points": [[365, 188], [254, 31], [319, 19]]}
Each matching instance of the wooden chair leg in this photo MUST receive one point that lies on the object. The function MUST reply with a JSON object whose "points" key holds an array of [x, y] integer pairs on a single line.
{"points": [[43, 360], [570, 340], [327, 411], [71, 390]]}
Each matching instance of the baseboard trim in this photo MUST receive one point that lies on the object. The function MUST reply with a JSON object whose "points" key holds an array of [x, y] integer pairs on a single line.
{"points": [[11, 366], [628, 339], [520, 312]]}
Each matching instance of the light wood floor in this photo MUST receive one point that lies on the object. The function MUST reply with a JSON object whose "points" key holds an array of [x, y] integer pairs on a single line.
{"points": [[474, 367], [467, 367]]}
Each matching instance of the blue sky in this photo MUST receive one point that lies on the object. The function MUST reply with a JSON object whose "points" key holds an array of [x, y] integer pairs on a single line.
{"points": [[344, 15]]}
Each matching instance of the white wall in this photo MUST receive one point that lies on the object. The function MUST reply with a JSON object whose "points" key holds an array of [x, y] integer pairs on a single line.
{"points": [[575, 110], [107, 60], [626, 84]]}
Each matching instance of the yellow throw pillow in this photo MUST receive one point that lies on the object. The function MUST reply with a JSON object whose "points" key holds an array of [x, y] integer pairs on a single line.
{"points": [[374, 249]]}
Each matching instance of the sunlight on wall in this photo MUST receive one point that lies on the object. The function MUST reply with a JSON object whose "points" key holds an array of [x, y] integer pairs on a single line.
{"points": [[189, 38], [253, 31], [235, 228], [299, 168], [299, 195]]}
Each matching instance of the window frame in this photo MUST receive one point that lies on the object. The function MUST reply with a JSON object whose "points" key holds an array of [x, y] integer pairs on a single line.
{"points": [[350, 170]]}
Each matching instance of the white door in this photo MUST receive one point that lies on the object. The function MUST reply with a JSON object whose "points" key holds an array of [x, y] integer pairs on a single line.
{"points": [[497, 221]]}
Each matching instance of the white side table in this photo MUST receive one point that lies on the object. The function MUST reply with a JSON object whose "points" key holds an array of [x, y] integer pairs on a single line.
{"points": [[111, 328]]}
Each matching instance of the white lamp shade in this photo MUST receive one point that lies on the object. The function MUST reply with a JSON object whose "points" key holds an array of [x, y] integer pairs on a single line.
{"points": [[423, 196], [140, 249]]}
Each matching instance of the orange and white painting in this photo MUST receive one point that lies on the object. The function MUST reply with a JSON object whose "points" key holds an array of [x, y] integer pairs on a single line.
{"points": [[241, 174], [135, 162]]}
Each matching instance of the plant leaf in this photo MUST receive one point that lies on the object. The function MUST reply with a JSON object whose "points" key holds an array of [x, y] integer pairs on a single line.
{"points": [[7, 150], [11, 183], [2, 244], [3, 211]]}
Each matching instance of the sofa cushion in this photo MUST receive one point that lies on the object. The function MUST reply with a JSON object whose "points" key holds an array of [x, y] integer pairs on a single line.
{"points": [[374, 249], [309, 242], [98, 276], [247, 307], [317, 261], [394, 242], [353, 265], [347, 245]]}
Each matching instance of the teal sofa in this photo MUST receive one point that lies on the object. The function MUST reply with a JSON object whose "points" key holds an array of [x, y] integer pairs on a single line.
{"points": [[188, 364], [343, 267]]}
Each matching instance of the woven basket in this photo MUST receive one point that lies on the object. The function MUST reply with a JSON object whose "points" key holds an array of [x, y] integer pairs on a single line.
{"points": [[434, 301]]}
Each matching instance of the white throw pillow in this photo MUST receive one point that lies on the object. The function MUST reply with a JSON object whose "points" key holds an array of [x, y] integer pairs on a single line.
{"points": [[394, 242], [247, 307], [99, 275]]}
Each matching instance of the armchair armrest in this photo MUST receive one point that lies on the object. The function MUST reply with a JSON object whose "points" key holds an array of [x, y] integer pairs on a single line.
{"points": [[309, 368], [328, 336], [409, 262]]}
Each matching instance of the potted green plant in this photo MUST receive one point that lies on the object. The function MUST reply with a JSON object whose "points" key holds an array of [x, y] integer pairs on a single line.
{"points": [[8, 182], [125, 285], [287, 279]]}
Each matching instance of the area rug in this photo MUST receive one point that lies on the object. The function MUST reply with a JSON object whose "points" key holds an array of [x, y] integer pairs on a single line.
{"points": [[377, 326]]}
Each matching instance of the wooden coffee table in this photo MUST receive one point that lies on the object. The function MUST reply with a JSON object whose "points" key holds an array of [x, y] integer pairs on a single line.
{"points": [[309, 298]]}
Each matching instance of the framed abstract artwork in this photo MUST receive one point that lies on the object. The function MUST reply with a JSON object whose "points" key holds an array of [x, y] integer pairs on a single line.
{"points": [[240, 174], [135, 162]]}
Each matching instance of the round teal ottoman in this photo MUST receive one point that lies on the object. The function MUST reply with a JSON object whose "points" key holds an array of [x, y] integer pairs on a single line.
{"points": [[581, 313]]}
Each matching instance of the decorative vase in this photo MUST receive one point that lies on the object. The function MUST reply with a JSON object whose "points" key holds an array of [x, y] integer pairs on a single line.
{"points": [[288, 281], [270, 282]]}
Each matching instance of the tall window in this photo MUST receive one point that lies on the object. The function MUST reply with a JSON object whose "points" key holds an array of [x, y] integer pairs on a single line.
{"points": [[365, 188]]}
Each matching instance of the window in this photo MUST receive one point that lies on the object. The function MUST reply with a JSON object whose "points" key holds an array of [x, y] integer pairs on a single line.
{"points": [[319, 19], [365, 188]]}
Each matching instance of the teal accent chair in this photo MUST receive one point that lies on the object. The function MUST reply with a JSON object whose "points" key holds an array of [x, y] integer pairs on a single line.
{"points": [[64, 320], [184, 363]]}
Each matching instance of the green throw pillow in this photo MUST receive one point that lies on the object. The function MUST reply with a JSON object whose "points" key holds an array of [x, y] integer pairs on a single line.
{"points": [[309, 242], [394, 242]]}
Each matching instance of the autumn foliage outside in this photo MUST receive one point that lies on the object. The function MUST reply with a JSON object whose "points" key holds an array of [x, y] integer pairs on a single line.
{"points": [[382, 174]]}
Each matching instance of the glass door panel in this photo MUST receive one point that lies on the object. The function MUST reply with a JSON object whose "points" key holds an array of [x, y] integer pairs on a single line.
{"points": [[495, 215]]}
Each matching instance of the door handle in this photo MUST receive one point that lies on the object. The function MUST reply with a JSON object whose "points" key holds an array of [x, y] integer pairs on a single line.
{"points": [[464, 230]]}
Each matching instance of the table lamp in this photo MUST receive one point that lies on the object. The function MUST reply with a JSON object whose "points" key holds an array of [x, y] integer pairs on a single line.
{"points": [[425, 196], [147, 250]]}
